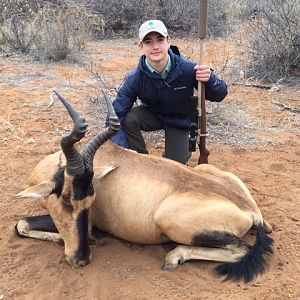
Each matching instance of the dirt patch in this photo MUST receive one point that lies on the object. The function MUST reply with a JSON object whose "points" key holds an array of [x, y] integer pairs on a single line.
{"points": [[250, 135]]}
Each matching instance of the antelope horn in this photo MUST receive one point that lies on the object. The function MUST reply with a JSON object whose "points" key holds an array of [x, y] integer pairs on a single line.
{"points": [[75, 164], [114, 127]]}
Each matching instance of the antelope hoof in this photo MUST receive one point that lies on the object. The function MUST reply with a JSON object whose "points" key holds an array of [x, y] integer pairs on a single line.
{"points": [[181, 260], [171, 263], [170, 268]]}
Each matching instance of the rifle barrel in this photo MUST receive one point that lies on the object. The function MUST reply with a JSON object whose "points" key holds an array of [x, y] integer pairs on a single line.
{"points": [[202, 32]]}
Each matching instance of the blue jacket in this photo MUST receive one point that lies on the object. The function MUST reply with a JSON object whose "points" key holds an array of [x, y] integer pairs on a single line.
{"points": [[168, 99]]}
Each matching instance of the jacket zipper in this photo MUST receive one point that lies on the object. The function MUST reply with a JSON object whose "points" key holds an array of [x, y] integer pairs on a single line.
{"points": [[167, 84]]}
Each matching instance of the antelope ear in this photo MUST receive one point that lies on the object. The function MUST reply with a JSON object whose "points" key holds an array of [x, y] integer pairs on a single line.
{"points": [[100, 172], [38, 191]]}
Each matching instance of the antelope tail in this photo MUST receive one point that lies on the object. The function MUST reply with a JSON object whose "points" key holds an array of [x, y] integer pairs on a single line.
{"points": [[253, 263]]}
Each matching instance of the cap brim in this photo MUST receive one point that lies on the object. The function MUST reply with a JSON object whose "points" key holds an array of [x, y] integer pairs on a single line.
{"points": [[149, 31]]}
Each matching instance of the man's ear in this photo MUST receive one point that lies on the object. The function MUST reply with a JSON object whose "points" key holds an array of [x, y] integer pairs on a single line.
{"points": [[169, 40]]}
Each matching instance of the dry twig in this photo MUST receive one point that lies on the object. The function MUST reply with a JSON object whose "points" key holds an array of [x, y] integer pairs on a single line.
{"points": [[289, 107]]}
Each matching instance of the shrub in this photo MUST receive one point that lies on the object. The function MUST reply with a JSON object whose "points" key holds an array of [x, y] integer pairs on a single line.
{"points": [[274, 43], [58, 29], [19, 33], [63, 30], [181, 17], [53, 30], [11, 8], [117, 17]]}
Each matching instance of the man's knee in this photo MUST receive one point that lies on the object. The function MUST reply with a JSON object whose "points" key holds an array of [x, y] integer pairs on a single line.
{"points": [[131, 121]]}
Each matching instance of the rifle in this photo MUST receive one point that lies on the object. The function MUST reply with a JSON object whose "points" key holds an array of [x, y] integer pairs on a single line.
{"points": [[204, 152]]}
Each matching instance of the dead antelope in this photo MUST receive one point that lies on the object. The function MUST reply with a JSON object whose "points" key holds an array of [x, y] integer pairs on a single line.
{"points": [[144, 199]]}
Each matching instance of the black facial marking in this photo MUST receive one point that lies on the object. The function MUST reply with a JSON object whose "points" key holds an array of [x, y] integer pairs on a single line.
{"points": [[82, 224], [59, 180], [82, 185]]}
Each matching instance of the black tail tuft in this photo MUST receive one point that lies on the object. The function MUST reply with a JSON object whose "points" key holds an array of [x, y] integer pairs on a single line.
{"points": [[253, 263]]}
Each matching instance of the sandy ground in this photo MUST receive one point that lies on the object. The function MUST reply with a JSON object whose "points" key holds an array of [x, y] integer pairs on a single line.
{"points": [[258, 140]]}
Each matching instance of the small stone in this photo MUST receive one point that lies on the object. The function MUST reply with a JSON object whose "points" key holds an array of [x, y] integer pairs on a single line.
{"points": [[30, 141]]}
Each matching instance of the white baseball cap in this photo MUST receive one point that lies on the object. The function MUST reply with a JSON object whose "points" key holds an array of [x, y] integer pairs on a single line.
{"points": [[152, 26]]}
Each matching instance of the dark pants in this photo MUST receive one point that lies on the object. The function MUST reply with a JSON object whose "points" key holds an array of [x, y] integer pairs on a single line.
{"points": [[176, 140]]}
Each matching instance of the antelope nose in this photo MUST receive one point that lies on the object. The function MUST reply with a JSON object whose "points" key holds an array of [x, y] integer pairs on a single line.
{"points": [[79, 262]]}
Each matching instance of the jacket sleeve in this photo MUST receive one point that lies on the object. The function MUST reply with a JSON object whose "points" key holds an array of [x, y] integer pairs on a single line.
{"points": [[125, 99], [122, 104], [215, 88]]}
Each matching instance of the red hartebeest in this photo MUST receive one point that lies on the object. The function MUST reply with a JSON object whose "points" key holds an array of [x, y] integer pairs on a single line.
{"points": [[144, 199]]}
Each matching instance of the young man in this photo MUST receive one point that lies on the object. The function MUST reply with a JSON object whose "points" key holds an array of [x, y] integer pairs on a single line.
{"points": [[164, 83]]}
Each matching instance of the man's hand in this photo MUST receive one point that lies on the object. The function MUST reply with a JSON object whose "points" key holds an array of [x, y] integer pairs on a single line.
{"points": [[203, 73]]}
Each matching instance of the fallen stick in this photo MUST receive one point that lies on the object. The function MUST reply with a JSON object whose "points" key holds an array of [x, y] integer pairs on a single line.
{"points": [[288, 107]]}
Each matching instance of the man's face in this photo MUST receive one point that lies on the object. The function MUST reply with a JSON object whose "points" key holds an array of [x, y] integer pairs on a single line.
{"points": [[155, 47]]}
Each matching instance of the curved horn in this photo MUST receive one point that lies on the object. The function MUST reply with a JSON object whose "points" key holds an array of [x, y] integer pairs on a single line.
{"points": [[74, 159], [114, 127]]}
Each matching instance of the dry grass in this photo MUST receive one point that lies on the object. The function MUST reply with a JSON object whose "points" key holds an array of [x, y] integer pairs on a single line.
{"points": [[8, 130]]}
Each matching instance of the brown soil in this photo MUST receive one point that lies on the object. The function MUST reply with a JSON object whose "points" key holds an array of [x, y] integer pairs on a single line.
{"points": [[258, 140]]}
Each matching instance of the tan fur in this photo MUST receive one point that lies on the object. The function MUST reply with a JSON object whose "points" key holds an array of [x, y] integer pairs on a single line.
{"points": [[65, 221], [152, 200], [46, 168], [65, 212], [143, 197], [184, 253], [38, 191]]}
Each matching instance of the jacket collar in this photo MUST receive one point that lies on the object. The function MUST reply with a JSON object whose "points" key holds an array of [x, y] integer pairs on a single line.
{"points": [[165, 72], [174, 73]]}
